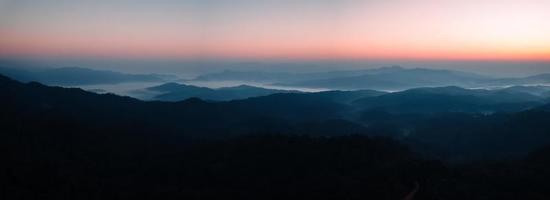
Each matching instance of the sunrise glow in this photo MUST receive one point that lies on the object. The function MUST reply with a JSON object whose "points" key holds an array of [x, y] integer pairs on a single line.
{"points": [[416, 29]]}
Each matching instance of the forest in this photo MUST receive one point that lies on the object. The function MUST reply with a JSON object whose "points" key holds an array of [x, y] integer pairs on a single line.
{"points": [[62, 143]]}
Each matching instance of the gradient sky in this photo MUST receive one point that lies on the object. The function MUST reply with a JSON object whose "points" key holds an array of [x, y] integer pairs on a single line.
{"points": [[308, 29]]}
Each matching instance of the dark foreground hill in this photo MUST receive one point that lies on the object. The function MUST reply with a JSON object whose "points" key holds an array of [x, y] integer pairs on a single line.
{"points": [[60, 143], [510, 123]]}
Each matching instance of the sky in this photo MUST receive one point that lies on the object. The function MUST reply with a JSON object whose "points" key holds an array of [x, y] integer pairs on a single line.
{"points": [[394, 30]]}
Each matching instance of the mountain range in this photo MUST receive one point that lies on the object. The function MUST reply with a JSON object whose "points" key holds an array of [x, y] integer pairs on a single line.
{"points": [[73, 76], [192, 118], [67, 142], [454, 99], [393, 78], [177, 92], [385, 78]]}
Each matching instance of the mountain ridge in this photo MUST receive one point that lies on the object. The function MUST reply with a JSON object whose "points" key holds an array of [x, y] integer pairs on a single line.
{"points": [[69, 76], [177, 92]]}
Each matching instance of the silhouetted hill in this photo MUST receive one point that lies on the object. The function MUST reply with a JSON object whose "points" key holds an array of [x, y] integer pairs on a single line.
{"points": [[285, 77], [398, 114], [186, 117], [451, 99], [529, 80], [384, 78], [60, 143], [178, 92], [397, 79], [542, 91], [78, 76]]}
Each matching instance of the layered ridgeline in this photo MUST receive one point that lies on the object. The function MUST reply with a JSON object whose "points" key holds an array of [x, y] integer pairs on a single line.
{"points": [[456, 99], [385, 78], [71, 76], [177, 92], [511, 115], [382, 79], [254, 83], [69, 143]]}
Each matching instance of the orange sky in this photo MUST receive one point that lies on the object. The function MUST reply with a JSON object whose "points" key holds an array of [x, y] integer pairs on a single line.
{"points": [[412, 29]]}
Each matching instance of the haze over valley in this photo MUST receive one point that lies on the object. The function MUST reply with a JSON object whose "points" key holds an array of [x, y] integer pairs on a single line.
{"points": [[275, 99]]}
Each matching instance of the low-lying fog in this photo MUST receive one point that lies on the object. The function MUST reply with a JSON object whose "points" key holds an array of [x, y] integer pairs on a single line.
{"points": [[139, 89]]}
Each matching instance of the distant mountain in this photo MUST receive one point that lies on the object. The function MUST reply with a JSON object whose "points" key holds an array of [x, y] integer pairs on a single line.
{"points": [[537, 90], [392, 78], [178, 92], [396, 79], [452, 99], [252, 76], [60, 143], [189, 118], [529, 80], [384, 78], [70, 76], [284, 77], [408, 114]]}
